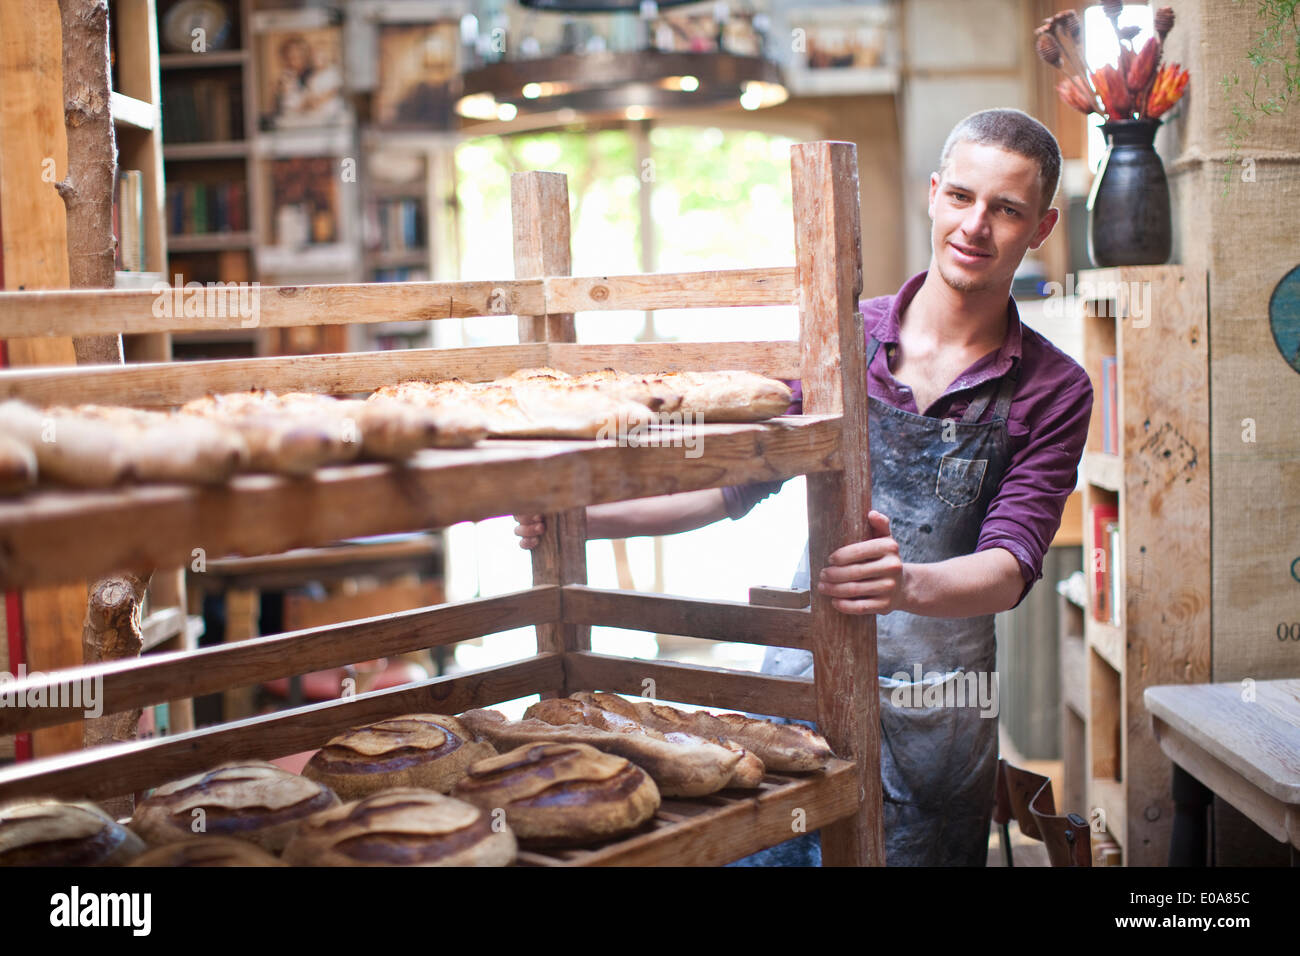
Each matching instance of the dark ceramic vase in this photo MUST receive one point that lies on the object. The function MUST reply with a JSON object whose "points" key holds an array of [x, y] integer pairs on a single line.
{"points": [[1128, 221]]}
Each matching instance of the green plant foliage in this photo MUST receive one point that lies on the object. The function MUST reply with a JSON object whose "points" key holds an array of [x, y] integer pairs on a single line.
{"points": [[1272, 82]]}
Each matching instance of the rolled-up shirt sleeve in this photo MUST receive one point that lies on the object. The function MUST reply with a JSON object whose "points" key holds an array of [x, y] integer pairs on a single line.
{"points": [[740, 499], [1026, 511]]}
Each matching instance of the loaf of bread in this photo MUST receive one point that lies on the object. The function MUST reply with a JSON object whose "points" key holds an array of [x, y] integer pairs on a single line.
{"points": [[782, 747], [57, 833], [251, 800], [291, 434], [393, 430], [678, 769], [68, 450], [417, 750], [161, 447], [729, 396], [403, 827], [747, 774], [562, 794], [208, 851]]}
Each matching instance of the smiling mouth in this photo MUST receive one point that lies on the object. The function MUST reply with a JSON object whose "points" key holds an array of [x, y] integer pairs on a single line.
{"points": [[968, 251]]}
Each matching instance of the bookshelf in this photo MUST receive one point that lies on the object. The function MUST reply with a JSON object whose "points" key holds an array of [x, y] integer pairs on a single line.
{"points": [[209, 122], [135, 106], [1153, 319]]}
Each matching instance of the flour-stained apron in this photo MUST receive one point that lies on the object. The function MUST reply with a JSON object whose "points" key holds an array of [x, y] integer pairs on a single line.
{"points": [[934, 478]]}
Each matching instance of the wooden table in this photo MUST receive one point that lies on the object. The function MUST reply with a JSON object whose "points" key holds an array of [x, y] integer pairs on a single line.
{"points": [[1238, 740]]}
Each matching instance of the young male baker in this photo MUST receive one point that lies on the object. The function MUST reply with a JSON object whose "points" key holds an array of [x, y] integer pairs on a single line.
{"points": [[977, 427]]}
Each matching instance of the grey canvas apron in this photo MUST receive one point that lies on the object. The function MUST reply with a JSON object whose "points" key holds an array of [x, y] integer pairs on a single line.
{"points": [[938, 761]]}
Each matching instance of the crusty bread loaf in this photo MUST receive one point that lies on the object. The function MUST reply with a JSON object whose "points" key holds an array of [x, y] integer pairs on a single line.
{"points": [[159, 447], [392, 430], [679, 769], [729, 396], [291, 434], [416, 750], [68, 450], [562, 794], [403, 827], [251, 800], [57, 833], [208, 851], [747, 773], [782, 747]]}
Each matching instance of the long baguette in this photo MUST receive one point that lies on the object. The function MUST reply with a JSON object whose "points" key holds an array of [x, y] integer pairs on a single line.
{"points": [[679, 770], [748, 772], [69, 450], [781, 747]]}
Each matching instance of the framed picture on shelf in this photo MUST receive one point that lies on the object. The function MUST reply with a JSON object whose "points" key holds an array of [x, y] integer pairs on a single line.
{"points": [[305, 207], [300, 69], [416, 63], [844, 50]]}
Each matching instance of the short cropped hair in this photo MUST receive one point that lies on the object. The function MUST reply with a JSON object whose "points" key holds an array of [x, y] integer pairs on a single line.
{"points": [[1016, 132]]}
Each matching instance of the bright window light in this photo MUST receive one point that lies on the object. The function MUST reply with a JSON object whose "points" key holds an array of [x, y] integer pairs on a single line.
{"points": [[1101, 46]]}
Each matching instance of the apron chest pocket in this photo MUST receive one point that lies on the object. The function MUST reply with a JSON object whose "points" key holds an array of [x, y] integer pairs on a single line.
{"points": [[960, 480]]}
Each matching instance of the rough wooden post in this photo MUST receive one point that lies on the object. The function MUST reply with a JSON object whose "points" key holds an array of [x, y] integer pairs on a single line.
{"points": [[539, 209], [112, 631], [87, 190], [828, 264]]}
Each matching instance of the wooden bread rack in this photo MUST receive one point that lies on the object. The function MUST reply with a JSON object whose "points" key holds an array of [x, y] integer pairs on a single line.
{"points": [[53, 535]]}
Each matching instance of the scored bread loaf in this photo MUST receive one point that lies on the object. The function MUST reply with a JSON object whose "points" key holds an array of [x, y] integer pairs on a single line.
{"points": [[392, 430], [291, 434], [251, 800], [208, 851], [557, 794], [159, 447], [415, 750], [781, 747], [729, 396], [403, 827], [58, 833], [747, 774], [68, 450], [678, 769]]}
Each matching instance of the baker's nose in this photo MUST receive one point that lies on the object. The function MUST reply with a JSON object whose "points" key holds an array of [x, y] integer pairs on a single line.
{"points": [[976, 223]]}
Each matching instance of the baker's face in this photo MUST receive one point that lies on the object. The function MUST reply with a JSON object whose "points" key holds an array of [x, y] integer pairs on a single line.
{"points": [[984, 209]]}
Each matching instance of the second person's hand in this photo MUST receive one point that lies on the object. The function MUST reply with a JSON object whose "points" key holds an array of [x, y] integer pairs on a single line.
{"points": [[530, 529]]}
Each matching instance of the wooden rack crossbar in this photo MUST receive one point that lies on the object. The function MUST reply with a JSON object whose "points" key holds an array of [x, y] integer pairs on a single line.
{"points": [[248, 305], [124, 768], [139, 682], [54, 535], [163, 384], [51, 536]]}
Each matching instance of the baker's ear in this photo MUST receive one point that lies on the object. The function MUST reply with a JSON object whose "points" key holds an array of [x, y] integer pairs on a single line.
{"points": [[934, 191], [1045, 227]]}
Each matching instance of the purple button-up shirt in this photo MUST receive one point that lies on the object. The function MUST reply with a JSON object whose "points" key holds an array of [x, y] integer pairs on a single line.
{"points": [[1047, 426]]}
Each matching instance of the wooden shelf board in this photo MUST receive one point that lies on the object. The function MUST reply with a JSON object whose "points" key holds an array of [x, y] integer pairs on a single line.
{"points": [[1109, 797], [228, 149], [64, 535], [1107, 640], [128, 111], [1103, 470], [199, 61], [209, 241], [722, 827]]}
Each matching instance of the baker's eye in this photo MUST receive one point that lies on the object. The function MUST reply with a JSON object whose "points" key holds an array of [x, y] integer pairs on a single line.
{"points": [[1011, 211]]}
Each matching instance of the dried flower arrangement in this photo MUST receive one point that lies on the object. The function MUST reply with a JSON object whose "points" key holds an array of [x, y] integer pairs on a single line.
{"points": [[1138, 86]]}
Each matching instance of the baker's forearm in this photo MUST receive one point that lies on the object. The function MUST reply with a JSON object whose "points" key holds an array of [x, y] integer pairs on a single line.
{"points": [[982, 583], [664, 514]]}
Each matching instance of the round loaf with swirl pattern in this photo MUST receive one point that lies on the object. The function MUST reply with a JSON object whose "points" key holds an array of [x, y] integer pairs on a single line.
{"points": [[428, 751], [556, 794], [47, 832], [403, 827], [251, 800]]}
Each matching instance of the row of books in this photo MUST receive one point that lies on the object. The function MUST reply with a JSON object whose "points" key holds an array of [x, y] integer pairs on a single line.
{"points": [[394, 225], [1110, 405], [128, 221], [1106, 594], [204, 111], [196, 208]]}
